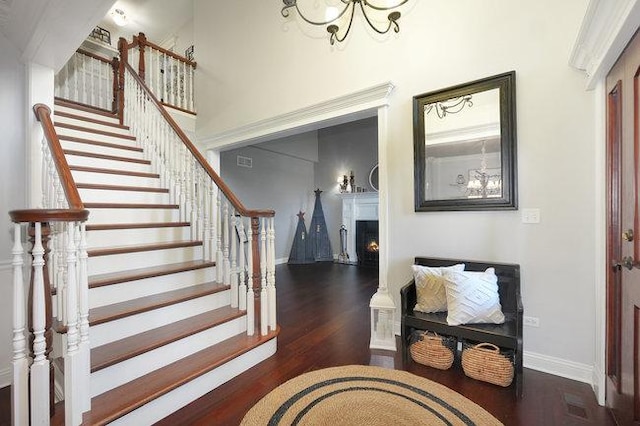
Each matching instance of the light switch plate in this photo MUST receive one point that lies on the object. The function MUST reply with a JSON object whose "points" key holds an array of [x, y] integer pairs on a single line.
{"points": [[530, 215]]}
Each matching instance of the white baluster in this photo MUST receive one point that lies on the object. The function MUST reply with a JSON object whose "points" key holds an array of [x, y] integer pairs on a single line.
{"points": [[59, 258], [264, 313], [192, 106], [202, 191], [20, 363], [242, 267], [39, 380], [233, 268], [219, 254], [165, 67], [271, 274], [206, 225], [183, 82], [83, 299], [225, 250], [72, 380], [251, 329], [195, 229]]}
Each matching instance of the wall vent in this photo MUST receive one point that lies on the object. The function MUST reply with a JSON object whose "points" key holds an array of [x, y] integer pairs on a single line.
{"points": [[244, 161]]}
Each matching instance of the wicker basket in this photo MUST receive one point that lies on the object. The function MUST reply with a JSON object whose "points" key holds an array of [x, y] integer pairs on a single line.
{"points": [[428, 348], [485, 362]]}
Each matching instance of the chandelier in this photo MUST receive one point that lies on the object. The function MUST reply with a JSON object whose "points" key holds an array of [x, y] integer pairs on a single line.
{"points": [[450, 106], [334, 16], [483, 184]]}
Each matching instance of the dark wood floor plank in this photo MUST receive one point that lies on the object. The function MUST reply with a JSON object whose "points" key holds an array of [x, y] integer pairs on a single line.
{"points": [[324, 318]]}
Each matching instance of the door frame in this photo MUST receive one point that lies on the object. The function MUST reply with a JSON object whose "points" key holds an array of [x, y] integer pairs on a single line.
{"points": [[596, 58]]}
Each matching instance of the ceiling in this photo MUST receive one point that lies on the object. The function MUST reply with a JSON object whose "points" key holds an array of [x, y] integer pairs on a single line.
{"points": [[158, 19]]}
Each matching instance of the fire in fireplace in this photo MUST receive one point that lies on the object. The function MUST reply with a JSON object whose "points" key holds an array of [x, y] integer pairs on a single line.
{"points": [[367, 243]]}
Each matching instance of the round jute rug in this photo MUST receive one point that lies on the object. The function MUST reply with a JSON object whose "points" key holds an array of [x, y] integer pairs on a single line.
{"points": [[363, 395]]}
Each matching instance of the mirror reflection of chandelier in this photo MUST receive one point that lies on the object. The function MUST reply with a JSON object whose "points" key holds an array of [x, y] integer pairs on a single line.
{"points": [[334, 16], [484, 184], [450, 106]]}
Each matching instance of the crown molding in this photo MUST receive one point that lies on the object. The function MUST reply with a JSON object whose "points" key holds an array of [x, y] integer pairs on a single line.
{"points": [[607, 27], [362, 103]]}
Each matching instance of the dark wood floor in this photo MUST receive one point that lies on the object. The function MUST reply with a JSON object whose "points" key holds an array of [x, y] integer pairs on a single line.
{"points": [[324, 316]]}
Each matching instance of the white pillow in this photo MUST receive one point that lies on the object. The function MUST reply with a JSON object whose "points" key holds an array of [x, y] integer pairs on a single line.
{"points": [[472, 297], [430, 291]]}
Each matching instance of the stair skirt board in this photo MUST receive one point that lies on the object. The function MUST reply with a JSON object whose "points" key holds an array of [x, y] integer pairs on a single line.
{"points": [[111, 331], [100, 239], [116, 293], [125, 371], [161, 407]]}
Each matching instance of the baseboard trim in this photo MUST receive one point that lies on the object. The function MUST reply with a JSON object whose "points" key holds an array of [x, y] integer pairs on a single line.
{"points": [[5, 377], [282, 260], [559, 367], [598, 385]]}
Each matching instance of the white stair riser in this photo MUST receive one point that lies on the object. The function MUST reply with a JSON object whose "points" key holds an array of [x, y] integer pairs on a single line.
{"points": [[79, 160], [123, 372], [95, 136], [114, 179], [119, 329], [86, 114], [114, 196], [99, 149], [137, 236], [144, 259], [106, 215], [116, 293], [88, 124], [161, 407]]}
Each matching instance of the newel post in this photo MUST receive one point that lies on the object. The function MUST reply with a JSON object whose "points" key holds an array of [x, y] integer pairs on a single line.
{"points": [[115, 66], [123, 49], [142, 41]]}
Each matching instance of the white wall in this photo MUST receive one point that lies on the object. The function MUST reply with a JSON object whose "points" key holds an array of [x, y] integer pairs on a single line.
{"points": [[12, 190], [256, 66], [283, 183]]}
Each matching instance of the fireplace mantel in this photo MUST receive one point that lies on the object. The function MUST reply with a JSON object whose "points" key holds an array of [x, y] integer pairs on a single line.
{"points": [[357, 206]]}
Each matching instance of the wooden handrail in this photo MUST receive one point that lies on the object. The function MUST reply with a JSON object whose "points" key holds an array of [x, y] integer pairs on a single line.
{"points": [[94, 56], [43, 114], [203, 162], [49, 215]]}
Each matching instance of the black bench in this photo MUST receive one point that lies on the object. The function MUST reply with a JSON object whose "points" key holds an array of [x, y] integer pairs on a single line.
{"points": [[507, 335]]}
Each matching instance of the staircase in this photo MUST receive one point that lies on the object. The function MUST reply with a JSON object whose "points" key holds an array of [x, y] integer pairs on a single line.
{"points": [[163, 331]]}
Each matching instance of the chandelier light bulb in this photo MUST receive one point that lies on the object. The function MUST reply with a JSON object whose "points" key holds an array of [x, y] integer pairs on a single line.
{"points": [[119, 17]]}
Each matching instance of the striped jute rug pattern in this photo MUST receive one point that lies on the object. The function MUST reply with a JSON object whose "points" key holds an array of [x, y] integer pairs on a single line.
{"points": [[364, 395]]}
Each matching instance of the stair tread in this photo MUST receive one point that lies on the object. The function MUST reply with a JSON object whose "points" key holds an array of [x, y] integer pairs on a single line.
{"points": [[144, 304], [92, 130], [129, 206], [117, 402], [107, 355], [89, 120], [82, 107], [112, 226], [113, 171], [134, 248], [99, 186], [141, 273], [100, 143], [105, 156]]}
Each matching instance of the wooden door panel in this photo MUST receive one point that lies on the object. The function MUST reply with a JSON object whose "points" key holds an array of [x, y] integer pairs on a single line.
{"points": [[623, 235]]}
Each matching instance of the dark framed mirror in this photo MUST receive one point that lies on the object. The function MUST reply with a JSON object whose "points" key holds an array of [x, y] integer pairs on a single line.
{"points": [[465, 146]]}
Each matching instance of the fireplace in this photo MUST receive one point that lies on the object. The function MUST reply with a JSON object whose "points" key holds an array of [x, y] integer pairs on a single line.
{"points": [[367, 243]]}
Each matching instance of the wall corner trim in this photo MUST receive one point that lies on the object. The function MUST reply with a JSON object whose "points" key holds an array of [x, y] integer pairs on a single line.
{"points": [[364, 102], [606, 29]]}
